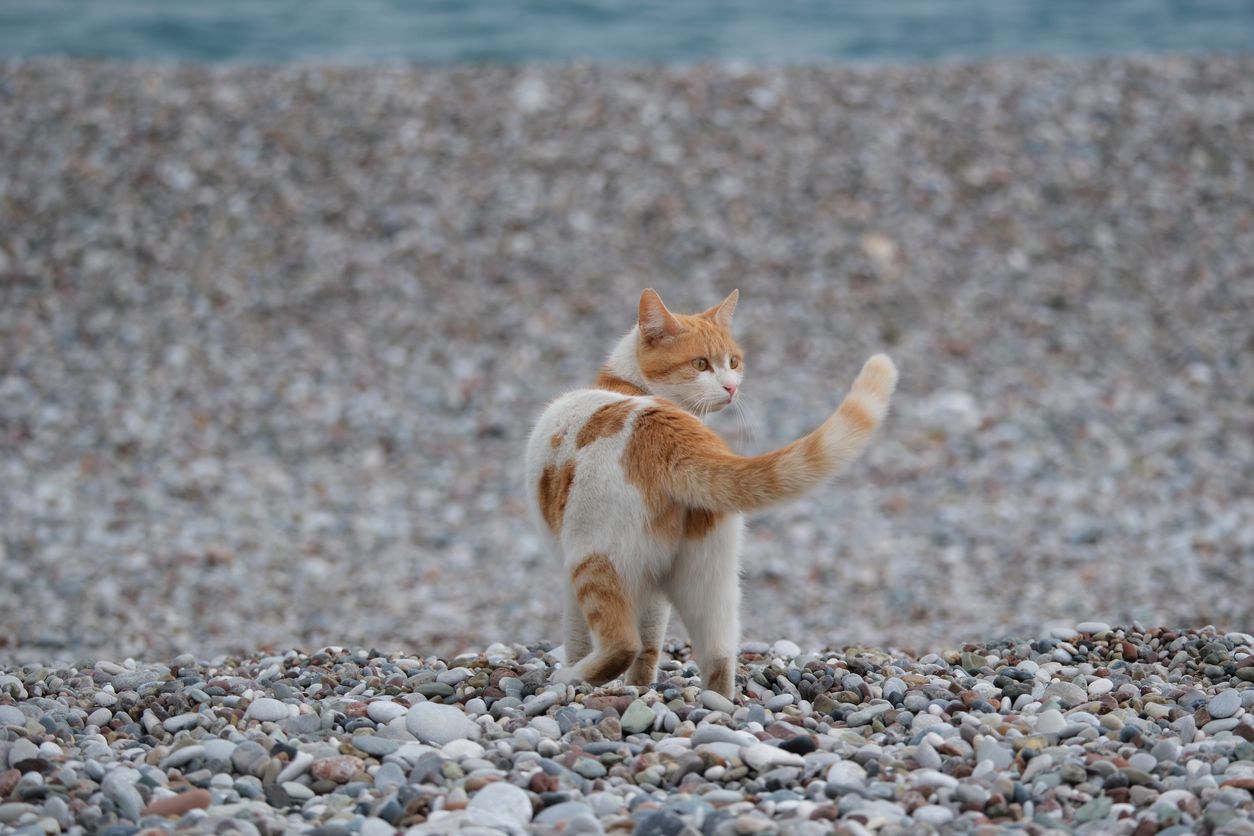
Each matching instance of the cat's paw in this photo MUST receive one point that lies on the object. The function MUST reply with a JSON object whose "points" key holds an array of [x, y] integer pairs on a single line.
{"points": [[566, 676]]}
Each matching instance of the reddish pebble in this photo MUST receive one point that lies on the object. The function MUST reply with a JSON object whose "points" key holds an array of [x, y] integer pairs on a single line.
{"points": [[8, 780], [338, 769], [176, 805]]}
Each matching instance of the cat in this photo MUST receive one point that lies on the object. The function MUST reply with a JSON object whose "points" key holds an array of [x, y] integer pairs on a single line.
{"points": [[644, 504]]}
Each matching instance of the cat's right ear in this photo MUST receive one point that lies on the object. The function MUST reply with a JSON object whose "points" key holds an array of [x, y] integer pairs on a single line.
{"points": [[656, 322]]}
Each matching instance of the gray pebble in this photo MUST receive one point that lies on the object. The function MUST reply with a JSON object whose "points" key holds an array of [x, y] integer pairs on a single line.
{"points": [[717, 702], [1224, 704], [265, 709], [500, 805], [638, 717], [437, 724]]}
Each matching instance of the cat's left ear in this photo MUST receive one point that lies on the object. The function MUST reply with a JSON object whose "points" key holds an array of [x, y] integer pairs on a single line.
{"points": [[722, 312]]}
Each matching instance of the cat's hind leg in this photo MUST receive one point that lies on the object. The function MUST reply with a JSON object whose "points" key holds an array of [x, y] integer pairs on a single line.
{"points": [[607, 609], [655, 612]]}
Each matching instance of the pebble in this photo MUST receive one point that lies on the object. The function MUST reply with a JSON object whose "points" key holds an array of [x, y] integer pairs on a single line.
{"points": [[637, 718], [295, 768], [717, 702], [1066, 693], [1224, 704], [500, 805], [180, 803], [762, 757], [339, 769], [267, 709], [437, 724], [385, 711], [714, 733]]}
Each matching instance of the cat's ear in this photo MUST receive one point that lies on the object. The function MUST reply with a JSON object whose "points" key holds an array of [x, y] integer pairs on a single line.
{"points": [[722, 312], [656, 322]]}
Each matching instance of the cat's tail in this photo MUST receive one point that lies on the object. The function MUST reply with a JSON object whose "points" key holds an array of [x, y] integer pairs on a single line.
{"points": [[711, 477]]}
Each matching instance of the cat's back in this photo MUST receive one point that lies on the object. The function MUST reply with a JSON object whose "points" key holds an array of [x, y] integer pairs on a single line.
{"points": [[574, 457], [577, 420]]}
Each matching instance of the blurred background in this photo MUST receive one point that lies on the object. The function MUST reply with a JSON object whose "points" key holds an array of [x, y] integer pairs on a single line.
{"points": [[283, 286]]}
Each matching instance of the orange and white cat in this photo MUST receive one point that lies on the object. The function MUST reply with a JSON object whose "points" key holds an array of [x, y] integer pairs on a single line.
{"points": [[643, 502]]}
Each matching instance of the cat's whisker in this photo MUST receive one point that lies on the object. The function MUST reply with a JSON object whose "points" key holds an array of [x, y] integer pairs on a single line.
{"points": [[746, 421]]}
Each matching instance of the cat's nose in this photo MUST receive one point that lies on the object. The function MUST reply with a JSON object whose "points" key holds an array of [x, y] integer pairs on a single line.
{"points": [[730, 389]]}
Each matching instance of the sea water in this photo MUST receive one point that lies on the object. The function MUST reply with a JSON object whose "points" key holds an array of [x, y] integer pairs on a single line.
{"points": [[670, 31]]}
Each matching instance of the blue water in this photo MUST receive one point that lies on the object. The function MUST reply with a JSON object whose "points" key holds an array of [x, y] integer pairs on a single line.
{"points": [[758, 31]]}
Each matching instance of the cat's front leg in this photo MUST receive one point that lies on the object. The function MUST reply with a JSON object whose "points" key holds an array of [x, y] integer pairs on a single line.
{"points": [[575, 635], [705, 589]]}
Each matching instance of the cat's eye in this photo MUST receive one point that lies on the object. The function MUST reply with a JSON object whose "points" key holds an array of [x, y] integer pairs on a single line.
{"points": [[701, 364], [734, 362]]}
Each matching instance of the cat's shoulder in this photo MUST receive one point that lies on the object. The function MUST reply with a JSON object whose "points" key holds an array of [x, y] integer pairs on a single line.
{"points": [[581, 407]]}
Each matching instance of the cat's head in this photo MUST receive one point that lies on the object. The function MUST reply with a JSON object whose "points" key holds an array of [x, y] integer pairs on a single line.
{"points": [[692, 360]]}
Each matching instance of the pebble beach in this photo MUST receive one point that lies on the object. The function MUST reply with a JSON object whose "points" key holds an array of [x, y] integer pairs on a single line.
{"points": [[1097, 729], [272, 339]]}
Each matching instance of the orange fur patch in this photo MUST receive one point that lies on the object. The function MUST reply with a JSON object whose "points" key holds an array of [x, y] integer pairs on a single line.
{"points": [[661, 436], [644, 668], [857, 416], [555, 485], [608, 380], [605, 422], [699, 522], [608, 611], [556, 440], [722, 678]]}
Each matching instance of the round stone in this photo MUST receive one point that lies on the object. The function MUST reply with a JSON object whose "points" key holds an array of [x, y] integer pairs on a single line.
{"points": [[339, 769], [438, 724], [266, 709], [559, 814], [637, 718], [1224, 704], [845, 773], [385, 711], [1100, 686], [933, 814], [372, 744], [500, 804]]}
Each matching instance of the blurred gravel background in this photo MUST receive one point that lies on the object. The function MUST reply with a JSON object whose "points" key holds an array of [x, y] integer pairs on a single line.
{"points": [[271, 340]]}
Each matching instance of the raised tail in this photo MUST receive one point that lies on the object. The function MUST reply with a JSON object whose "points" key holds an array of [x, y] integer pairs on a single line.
{"points": [[691, 464]]}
